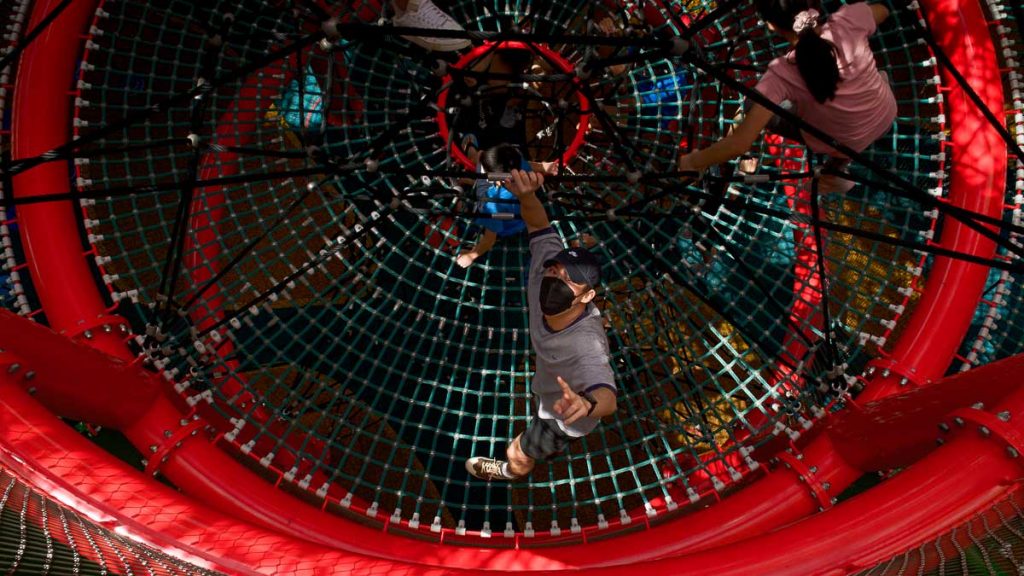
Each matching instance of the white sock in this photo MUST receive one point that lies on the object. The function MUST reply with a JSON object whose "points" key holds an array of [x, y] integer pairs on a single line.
{"points": [[506, 470]]}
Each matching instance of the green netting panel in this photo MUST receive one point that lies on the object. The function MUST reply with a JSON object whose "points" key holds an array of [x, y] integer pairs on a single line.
{"points": [[350, 347], [990, 542]]}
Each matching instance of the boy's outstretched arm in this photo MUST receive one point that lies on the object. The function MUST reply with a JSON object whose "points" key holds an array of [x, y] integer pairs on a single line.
{"points": [[525, 185]]}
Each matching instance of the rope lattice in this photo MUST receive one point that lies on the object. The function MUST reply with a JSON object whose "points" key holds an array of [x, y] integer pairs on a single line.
{"points": [[276, 236], [44, 537], [989, 543]]}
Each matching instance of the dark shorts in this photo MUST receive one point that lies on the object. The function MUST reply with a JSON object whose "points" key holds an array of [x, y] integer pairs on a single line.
{"points": [[543, 438]]}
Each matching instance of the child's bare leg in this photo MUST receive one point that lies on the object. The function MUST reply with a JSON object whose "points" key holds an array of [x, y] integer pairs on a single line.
{"points": [[487, 240], [519, 463]]}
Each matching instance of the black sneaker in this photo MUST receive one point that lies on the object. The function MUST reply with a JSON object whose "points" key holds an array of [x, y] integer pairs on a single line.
{"points": [[488, 469]]}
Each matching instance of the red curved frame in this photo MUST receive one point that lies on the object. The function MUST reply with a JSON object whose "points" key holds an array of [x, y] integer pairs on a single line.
{"points": [[70, 300], [549, 55]]}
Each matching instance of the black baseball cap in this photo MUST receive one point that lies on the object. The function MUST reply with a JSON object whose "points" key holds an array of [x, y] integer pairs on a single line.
{"points": [[582, 266]]}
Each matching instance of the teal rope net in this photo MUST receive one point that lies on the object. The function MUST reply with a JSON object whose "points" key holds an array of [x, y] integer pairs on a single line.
{"points": [[339, 348]]}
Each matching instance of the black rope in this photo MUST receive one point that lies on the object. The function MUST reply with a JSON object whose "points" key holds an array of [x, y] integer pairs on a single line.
{"points": [[366, 31], [738, 205], [645, 251], [379, 141], [823, 278], [147, 145], [128, 191], [611, 127], [175, 250], [326, 254], [720, 239], [33, 34], [237, 258]]}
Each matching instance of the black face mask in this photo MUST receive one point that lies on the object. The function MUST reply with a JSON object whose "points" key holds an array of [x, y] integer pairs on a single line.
{"points": [[555, 296]]}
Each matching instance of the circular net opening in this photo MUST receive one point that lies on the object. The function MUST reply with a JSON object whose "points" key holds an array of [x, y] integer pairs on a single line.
{"points": [[317, 315]]}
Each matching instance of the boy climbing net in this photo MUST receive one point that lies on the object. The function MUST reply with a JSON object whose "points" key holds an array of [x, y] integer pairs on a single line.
{"points": [[574, 384]]}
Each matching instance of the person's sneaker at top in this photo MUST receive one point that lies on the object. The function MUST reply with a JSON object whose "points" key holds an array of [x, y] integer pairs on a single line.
{"points": [[424, 14], [489, 469]]}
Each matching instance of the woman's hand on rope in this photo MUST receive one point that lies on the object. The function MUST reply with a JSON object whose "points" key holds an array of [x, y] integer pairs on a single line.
{"points": [[524, 184], [571, 406]]}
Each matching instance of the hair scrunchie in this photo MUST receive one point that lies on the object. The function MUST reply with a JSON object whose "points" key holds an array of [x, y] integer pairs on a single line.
{"points": [[806, 20]]}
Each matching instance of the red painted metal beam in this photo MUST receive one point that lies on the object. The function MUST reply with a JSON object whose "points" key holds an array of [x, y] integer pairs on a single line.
{"points": [[977, 182], [972, 472], [40, 122], [737, 517]]}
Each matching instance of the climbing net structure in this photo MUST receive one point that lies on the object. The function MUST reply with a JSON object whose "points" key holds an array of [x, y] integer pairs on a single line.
{"points": [[270, 196]]}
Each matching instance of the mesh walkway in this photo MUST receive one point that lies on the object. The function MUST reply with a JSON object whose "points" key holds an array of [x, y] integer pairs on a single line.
{"points": [[344, 351], [42, 536], [989, 543]]}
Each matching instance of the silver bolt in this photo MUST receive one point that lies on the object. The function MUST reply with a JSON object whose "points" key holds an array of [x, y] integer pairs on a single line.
{"points": [[167, 433], [1004, 415], [940, 441], [984, 431], [813, 469], [944, 427], [826, 485], [152, 448], [1011, 451], [978, 405], [88, 334], [958, 421], [13, 368], [30, 375]]}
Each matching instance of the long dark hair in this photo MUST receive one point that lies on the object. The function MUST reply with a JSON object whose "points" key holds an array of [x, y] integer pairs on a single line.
{"points": [[815, 57]]}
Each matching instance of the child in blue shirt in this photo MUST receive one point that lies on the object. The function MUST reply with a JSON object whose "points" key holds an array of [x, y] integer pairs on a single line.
{"points": [[494, 198]]}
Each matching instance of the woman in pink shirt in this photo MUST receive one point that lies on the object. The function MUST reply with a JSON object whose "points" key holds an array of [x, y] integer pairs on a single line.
{"points": [[829, 79]]}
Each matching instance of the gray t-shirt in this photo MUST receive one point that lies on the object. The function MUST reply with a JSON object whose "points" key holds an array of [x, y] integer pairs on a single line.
{"points": [[578, 353]]}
